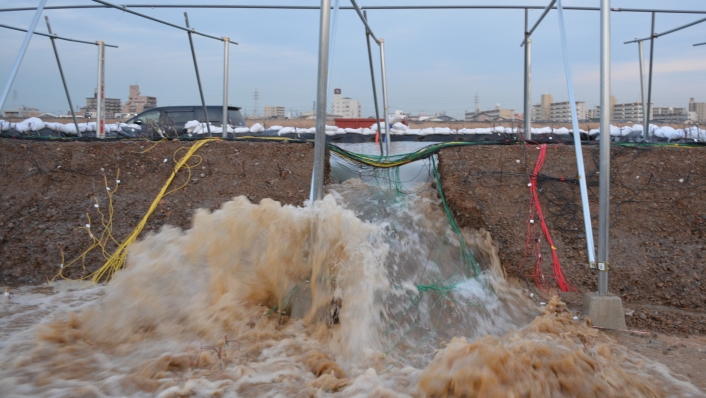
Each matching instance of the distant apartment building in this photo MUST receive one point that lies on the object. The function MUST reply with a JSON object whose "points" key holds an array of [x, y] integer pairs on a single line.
{"points": [[493, 114], [112, 105], [668, 115], [21, 112], [630, 112], [274, 112], [345, 107], [561, 111], [137, 103], [699, 108]]}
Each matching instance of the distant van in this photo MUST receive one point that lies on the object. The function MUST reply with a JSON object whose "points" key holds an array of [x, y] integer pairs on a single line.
{"points": [[171, 119]]}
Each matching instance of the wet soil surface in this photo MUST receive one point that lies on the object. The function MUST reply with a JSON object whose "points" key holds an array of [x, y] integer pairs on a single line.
{"points": [[657, 214], [50, 189]]}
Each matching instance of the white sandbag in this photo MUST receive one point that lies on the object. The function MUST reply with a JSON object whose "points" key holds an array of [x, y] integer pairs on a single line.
{"points": [[191, 126], [21, 127], [427, 131], [542, 130], [442, 130], [369, 132], [286, 130], [35, 124], [257, 128], [276, 128], [4, 126], [354, 131], [399, 126], [331, 128], [374, 126], [561, 131], [241, 130]]}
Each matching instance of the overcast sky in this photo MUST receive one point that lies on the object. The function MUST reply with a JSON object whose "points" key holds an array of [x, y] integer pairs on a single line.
{"points": [[436, 60]]}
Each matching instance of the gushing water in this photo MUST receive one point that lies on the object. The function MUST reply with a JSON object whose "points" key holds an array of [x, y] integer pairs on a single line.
{"points": [[362, 294]]}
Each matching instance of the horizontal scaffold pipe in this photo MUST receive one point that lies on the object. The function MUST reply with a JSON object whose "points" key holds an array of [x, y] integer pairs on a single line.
{"points": [[54, 36], [194, 31], [418, 7], [656, 35]]}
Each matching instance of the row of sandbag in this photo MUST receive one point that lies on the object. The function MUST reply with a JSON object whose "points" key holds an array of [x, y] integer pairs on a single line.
{"points": [[35, 124]]}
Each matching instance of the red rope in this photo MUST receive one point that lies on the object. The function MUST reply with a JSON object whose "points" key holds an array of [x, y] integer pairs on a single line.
{"points": [[533, 244]]}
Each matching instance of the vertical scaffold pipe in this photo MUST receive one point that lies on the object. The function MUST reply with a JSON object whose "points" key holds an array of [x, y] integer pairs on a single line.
{"points": [[100, 95], [384, 96], [61, 72], [604, 157], [317, 180], [372, 78], [198, 77], [645, 124], [226, 43], [528, 82], [21, 54], [577, 142], [649, 78]]}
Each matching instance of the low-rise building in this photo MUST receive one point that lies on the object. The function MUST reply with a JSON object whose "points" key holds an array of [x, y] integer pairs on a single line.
{"points": [[274, 112], [112, 105], [490, 115], [137, 103], [21, 112], [667, 115], [344, 106]]}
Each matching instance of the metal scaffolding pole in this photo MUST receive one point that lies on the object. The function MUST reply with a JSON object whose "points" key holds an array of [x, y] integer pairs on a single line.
{"points": [[54, 36], [541, 17], [198, 77], [528, 79], [645, 123], [384, 96], [21, 54], [649, 78], [100, 95], [61, 72], [604, 159], [381, 7], [317, 179], [577, 143], [699, 44], [225, 87], [372, 78], [126, 9]]}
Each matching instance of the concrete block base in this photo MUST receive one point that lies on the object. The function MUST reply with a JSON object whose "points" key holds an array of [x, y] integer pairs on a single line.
{"points": [[604, 311]]}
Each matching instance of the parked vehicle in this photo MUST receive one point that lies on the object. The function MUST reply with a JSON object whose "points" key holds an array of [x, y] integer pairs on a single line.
{"points": [[169, 121]]}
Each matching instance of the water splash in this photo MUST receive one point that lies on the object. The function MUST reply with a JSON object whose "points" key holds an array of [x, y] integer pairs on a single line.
{"points": [[377, 282]]}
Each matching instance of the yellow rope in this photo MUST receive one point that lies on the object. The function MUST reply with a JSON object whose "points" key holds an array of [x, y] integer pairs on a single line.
{"points": [[117, 259]]}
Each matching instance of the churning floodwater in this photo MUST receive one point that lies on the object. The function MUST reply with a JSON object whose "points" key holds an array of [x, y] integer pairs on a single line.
{"points": [[369, 292]]}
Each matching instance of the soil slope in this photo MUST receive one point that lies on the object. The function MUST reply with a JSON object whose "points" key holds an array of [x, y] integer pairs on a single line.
{"points": [[49, 189], [657, 214]]}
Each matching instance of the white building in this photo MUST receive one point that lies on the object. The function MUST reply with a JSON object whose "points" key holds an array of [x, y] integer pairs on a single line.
{"points": [[345, 107], [699, 108], [276, 112]]}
